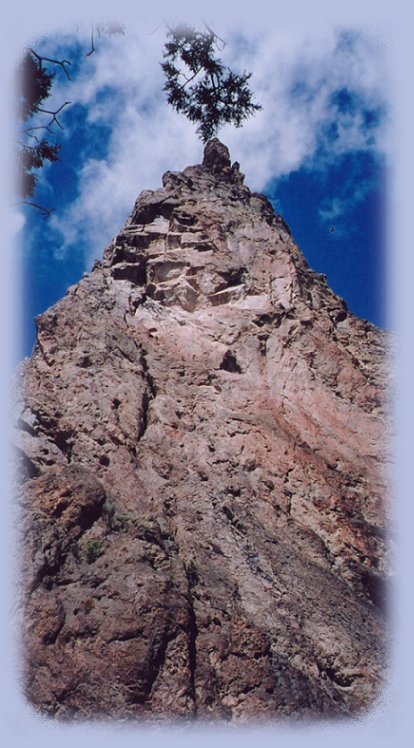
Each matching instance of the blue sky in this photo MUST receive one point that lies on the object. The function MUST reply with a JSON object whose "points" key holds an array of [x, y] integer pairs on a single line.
{"points": [[317, 149]]}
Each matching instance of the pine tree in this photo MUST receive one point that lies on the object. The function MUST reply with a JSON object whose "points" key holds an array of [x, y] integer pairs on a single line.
{"points": [[200, 86], [36, 83]]}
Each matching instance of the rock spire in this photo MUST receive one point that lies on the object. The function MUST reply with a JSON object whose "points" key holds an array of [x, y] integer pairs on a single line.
{"points": [[202, 440]]}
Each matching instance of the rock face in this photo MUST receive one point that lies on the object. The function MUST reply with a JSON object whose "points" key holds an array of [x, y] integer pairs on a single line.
{"points": [[202, 441]]}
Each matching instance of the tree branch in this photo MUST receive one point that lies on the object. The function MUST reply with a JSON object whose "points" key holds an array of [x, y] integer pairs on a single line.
{"points": [[188, 80], [28, 130], [62, 63], [215, 36], [92, 49], [54, 117], [46, 211], [108, 29], [213, 83]]}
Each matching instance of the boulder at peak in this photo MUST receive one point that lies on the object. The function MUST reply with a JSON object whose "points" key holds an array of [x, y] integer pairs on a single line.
{"points": [[216, 156]]}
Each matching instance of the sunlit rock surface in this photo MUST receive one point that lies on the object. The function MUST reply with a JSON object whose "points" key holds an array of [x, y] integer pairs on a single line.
{"points": [[203, 456]]}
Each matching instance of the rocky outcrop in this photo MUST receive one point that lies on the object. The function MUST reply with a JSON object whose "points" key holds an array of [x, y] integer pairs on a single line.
{"points": [[202, 437]]}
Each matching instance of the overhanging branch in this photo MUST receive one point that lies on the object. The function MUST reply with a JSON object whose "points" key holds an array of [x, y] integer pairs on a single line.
{"points": [[62, 63], [54, 114], [45, 211]]}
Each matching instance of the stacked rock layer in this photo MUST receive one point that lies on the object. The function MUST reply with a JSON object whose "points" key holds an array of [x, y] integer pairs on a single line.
{"points": [[203, 450]]}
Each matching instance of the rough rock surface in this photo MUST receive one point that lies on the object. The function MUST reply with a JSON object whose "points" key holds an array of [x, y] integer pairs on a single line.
{"points": [[203, 446]]}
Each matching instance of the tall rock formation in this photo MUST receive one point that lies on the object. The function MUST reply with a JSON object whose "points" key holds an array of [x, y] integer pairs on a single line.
{"points": [[202, 440]]}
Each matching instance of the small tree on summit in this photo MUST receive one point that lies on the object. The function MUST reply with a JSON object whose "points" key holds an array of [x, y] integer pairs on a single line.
{"points": [[200, 86]]}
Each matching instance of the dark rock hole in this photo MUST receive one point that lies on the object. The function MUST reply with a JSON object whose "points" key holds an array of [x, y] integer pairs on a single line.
{"points": [[134, 272], [85, 362], [375, 588], [229, 363], [341, 316]]}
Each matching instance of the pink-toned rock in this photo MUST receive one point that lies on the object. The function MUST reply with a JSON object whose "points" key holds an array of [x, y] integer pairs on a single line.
{"points": [[203, 436]]}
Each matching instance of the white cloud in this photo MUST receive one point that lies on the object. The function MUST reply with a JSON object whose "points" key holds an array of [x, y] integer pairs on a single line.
{"points": [[147, 139], [293, 78], [286, 134], [16, 222], [333, 209]]}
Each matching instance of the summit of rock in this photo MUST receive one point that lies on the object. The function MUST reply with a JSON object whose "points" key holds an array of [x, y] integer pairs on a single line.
{"points": [[202, 432], [216, 156], [217, 160]]}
